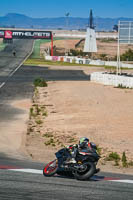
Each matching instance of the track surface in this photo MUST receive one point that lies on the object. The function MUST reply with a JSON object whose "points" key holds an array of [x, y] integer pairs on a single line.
{"points": [[21, 185], [8, 62]]}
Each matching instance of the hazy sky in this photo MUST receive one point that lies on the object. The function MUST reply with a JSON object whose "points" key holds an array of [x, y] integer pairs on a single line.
{"points": [[76, 8]]}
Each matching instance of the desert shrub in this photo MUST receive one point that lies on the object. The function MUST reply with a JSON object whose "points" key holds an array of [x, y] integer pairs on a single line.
{"points": [[45, 113], [39, 121], [38, 110], [50, 142], [103, 56], [123, 87], [108, 40], [40, 82], [48, 135], [124, 160], [130, 164], [127, 56], [72, 139], [74, 52], [114, 156], [99, 150], [31, 112]]}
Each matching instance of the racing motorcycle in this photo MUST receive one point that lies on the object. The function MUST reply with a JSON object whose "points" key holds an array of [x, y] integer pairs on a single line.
{"points": [[84, 168]]}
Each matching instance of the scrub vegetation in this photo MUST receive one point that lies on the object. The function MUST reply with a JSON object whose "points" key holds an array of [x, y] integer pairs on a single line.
{"points": [[123, 87], [119, 160], [40, 82]]}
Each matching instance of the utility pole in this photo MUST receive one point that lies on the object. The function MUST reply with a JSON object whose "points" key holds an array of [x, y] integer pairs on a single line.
{"points": [[52, 44], [67, 15], [67, 28]]}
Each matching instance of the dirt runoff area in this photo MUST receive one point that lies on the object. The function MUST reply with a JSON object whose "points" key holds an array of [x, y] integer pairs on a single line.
{"points": [[64, 111], [104, 46]]}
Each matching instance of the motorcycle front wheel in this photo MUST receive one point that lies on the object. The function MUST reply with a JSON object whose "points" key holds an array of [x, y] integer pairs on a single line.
{"points": [[51, 168], [87, 171]]}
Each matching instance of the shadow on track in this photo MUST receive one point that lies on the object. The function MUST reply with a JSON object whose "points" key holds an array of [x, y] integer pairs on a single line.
{"points": [[48, 74], [93, 178]]}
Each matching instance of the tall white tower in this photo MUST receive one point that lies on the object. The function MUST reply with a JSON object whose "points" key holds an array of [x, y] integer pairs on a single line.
{"points": [[90, 40]]}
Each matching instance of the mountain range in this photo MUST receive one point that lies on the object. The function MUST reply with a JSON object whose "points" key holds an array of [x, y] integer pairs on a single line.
{"points": [[71, 23]]}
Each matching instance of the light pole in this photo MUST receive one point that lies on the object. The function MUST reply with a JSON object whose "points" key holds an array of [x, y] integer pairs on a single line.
{"points": [[67, 15]]}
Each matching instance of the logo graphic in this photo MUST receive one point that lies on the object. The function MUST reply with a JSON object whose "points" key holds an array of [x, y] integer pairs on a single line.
{"points": [[8, 34]]}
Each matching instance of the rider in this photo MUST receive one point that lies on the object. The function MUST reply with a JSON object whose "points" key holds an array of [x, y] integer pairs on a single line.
{"points": [[83, 145], [14, 53]]}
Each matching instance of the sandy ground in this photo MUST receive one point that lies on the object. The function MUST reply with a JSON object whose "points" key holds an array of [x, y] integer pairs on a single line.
{"points": [[108, 48], [62, 43], [81, 108], [67, 110], [13, 133]]}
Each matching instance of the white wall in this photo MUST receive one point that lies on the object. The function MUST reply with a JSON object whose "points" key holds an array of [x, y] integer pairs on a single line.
{"points": [[112, 79], [87, 61]]}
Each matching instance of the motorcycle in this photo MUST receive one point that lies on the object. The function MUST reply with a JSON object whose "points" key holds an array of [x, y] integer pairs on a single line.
{"points": [[84, 168]]}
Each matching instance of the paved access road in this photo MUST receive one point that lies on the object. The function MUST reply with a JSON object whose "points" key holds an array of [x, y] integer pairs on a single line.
{"points": [[23, 179]]}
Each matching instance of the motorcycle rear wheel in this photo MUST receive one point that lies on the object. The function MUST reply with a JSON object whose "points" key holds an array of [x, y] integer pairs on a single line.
{"points": [[51, 168], [88, 173]]}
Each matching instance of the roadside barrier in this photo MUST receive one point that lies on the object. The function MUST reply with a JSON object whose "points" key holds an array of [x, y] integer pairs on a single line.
{"points": [[74, 59], [112, 79]]}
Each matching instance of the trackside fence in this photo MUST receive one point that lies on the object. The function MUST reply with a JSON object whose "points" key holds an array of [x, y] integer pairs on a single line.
{"points": [[73, 59]]}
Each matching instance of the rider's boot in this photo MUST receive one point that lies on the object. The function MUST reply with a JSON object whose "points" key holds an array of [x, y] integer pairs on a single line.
{"points": [[70, 160]]}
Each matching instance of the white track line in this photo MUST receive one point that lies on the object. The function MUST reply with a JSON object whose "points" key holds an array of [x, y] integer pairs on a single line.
{"points": [[123, 181], [35, 171], [2, 85], [11, 74]]}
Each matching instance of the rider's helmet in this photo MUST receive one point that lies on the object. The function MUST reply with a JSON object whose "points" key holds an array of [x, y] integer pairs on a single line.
{"points": [[83, 142]]}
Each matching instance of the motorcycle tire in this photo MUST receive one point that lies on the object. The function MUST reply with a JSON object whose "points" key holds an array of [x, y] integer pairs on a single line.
{"points": [[50, 169], [87, 174]]}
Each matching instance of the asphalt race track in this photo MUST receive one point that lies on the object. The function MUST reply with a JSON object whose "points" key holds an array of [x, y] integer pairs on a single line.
{"points": [[31, 184], [23, 179], [9, 62]]}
